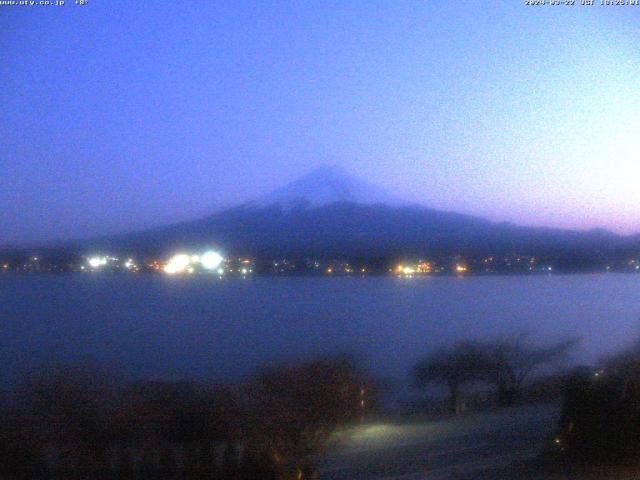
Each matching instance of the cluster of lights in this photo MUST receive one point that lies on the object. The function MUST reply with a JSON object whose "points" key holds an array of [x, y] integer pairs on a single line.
{"points": [[340, 269], [97, 262], [130, 264], [184, 263], [460, 268], [409, 270]]}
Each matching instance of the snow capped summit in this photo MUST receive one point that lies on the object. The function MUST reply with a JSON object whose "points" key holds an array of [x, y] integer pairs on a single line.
{"points": [[326, 185]]}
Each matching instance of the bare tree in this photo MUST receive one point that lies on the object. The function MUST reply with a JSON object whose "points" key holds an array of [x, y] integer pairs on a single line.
{"points": [[295, 408], [453, 367], [513, 361], [506, 363]]}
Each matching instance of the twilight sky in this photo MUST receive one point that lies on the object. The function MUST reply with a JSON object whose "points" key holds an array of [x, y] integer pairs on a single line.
{"points": [[121, 115]]}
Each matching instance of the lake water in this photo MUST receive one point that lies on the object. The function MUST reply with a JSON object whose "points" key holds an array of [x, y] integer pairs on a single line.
{"points": [[203, 327]]}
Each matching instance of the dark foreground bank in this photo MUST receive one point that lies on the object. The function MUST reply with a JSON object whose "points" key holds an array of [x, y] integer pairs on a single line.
{"points": [[77, 424]]}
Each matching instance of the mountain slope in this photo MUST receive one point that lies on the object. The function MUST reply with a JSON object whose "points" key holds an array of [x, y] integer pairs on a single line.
{"points": [[328, 213], [349, 229]]}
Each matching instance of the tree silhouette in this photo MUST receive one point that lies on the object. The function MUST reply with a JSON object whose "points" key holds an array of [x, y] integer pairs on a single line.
{"points": [[506, 363], [294, 409], [453, 367], [513, 361]]}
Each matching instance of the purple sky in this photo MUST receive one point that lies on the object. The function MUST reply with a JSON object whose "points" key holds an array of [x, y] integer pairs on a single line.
{"points": [[120, 115]]}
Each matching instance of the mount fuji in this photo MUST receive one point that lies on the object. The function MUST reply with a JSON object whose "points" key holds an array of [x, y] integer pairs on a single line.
{"points": [[326, 185], [329, 213]]}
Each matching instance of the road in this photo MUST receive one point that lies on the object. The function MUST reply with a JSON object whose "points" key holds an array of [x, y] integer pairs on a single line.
{"points": [[500, 445]]}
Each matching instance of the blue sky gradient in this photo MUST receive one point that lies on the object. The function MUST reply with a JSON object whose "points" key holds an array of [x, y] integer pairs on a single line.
{"points": [[121, 115]]}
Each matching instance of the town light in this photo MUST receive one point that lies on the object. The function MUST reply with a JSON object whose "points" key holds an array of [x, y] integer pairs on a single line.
{"points": [[211, 260], [97, 262], [177, 263]]}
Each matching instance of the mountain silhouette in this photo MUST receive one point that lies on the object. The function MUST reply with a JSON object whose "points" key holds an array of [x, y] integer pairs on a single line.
{"points": [[329, 213]]}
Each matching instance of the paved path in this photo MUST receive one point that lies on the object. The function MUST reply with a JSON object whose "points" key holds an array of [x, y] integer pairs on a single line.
{"points": [[495, 446]]}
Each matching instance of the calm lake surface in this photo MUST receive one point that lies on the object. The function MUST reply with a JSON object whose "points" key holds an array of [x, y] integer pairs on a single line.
{"points": [[202, 327]]}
